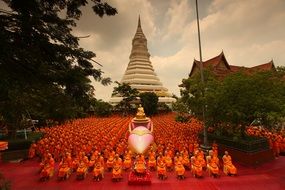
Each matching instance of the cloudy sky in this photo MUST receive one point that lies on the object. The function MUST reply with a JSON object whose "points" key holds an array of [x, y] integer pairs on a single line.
{"points": [[250, 32]]}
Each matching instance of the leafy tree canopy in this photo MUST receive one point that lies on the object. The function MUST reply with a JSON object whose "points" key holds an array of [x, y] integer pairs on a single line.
{"points": [[129, 95], [238, 99], [149, 101], [43, 69], [101, 108]]}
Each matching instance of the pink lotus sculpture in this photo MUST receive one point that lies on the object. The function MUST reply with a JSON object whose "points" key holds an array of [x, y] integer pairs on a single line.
{"points": [[139, 139], [140, 130]]}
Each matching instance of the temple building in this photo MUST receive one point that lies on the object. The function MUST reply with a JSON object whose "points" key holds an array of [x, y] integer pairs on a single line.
{"points": [[221, 68], [140, 73]]}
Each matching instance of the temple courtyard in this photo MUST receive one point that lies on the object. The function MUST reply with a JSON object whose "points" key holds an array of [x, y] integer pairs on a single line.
{"points": [[111, 134], [269, 176]]}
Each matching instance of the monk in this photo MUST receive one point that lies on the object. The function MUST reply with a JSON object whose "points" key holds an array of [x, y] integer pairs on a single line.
{"points": [[48, 169], [64, 170], [110, 161], [215, 148], [32, 150], [168, 162], [127, 160], [200, 157], [151, 160], [117, 169], [43, 162], [161, 170], [229, 168], [98, 171], [186, 160], [75, 163], [140, 165], [177, 157], [82, 170], [180, 170], [276, 147], [68, 160], [196, 166], [213, 164]]}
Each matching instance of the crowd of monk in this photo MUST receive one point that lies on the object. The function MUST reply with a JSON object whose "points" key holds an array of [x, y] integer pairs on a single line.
{"points": [[276, 140], [100, 145]]}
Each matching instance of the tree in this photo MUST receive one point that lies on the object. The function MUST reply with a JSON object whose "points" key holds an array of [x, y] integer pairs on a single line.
{"points": [[236, 101], [182, 110], [43, 69], [102, 109], [129, 95], [149, 101], [249, 97], [193, 99]]}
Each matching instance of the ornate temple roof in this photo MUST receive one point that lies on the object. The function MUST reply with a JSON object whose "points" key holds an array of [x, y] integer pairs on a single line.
{"points": [[221, 68]]}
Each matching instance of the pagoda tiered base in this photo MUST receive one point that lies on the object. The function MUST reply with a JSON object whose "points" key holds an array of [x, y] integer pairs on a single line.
{"points": [[135, 179]]}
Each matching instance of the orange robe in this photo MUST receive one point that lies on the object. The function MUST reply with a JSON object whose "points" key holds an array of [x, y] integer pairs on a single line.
{"points": [[168, 161], [213, 165], [127, 161], [151, 160], [81, 170], [229, 168], [179, 169], [196, 167], [161, 169], [98, 170], [110, 162], [140, 165], [117, 168], [64, 169], [32, 151], [48, 169]]}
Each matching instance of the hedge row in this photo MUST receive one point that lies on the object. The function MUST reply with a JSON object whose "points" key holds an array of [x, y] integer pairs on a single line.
{"points": [[249, 144], [20, 144]]}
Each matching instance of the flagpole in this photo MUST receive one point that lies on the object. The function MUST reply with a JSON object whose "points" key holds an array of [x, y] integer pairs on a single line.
{"points": [[205, 145]]}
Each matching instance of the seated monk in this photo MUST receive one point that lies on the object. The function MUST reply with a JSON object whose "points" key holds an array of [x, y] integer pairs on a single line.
{"points": [[215, 148], [98, 171], [177, 157], [75, 163], [213, 164], [48, 168], [180, 170], [110, 162], [32, 150], [127, 161], [43, 162], [64, 170], [91, 163], [201, 158], [117, 168], [229, 168], [168, 162], [151, 160], [161, 170], [196, 166], [140, 166], [82, 170], [68, 159], [186, 161]]}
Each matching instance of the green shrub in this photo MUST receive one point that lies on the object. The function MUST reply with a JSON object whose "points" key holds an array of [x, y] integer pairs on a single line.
{"points": [[182, 118], [21, 143]]}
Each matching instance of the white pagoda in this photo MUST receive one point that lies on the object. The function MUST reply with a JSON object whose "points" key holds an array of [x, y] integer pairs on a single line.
{"points": [[140, 73]]}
